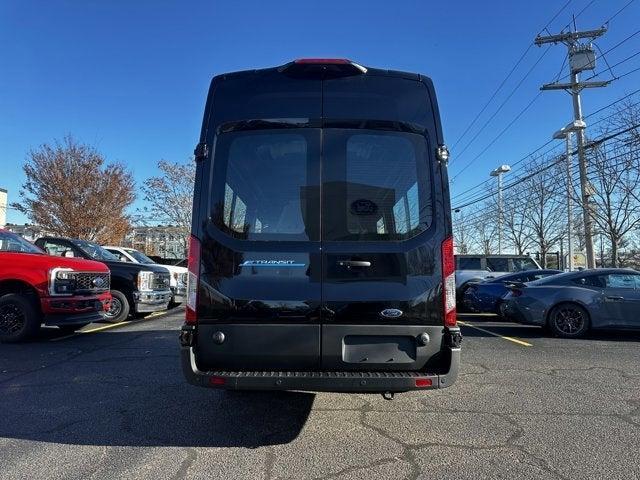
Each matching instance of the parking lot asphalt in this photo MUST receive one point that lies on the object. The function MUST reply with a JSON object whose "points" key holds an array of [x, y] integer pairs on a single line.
{"points": [[112, 403]]}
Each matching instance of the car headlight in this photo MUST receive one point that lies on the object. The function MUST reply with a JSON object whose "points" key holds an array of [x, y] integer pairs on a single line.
{"points": [[145, 280]]}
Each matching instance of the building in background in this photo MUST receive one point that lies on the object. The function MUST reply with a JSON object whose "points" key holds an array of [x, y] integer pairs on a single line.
{"points": [[3, 207], [29, 232], [164, 241]]}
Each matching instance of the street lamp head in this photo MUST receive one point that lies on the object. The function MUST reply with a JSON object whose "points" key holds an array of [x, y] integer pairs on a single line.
{"points": [[574, 126], [500, 170]]}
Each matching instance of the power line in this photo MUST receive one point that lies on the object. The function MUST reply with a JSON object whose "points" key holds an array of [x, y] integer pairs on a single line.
{"points": [[513, 69], [557, 145], [497, 137], [519, 180]]}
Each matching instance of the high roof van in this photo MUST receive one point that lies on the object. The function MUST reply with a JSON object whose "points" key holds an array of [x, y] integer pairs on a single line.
{"points": [[321, 254]]}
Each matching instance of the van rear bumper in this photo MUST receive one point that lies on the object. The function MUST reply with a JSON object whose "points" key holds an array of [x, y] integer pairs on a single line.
{"points": [[320, 381]]}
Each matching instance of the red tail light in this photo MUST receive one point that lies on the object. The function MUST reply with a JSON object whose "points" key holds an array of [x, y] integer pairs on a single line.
{"points": [[194, 278], [217, 380], [449, 283], [423, 382]]}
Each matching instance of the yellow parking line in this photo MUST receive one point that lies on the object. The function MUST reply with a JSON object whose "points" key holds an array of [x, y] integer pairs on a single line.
{"points": [[511, 339], [112, 325]]}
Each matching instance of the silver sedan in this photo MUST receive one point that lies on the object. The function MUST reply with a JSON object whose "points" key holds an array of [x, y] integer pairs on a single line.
{"points": [[570, 304]]}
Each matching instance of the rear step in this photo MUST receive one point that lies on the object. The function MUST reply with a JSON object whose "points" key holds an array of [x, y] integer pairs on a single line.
{"points": [[318, 374]]}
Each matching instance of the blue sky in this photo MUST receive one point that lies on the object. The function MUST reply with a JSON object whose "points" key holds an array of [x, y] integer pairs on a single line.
{"points": [[131, 77]]}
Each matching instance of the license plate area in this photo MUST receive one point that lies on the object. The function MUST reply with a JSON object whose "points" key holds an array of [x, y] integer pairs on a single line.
{"points": [[364, 349], [379, 347]]}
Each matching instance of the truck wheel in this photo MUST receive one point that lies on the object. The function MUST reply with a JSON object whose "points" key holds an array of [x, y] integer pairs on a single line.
{"points": [[119, 309], [568, 320], [19, 318]]}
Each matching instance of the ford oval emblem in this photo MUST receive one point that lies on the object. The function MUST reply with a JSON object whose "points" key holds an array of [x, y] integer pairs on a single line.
{"points": [[391, 313]]}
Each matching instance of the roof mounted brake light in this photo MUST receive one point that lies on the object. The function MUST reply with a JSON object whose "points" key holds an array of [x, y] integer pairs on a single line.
{"points": [[324, 67], [323, 61]]}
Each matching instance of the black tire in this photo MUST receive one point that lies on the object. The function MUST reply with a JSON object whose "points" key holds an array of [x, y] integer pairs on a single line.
{"points": [[19, 318], [72, 328], [120, 307], [568, 320]]}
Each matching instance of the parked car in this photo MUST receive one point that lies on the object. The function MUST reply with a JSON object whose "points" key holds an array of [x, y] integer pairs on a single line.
{"points": [[475, 268], [487, 296], [570, 304], [321, 252], [136, 288], [178, 274], [36, 289]]}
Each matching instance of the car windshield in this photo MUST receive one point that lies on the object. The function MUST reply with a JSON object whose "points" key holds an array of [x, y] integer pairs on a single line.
{"points": [[95, 251], [10, 242], [521, 264], [139, 256]]}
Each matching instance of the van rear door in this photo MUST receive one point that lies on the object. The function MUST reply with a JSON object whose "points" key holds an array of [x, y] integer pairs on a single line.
{"points": [[259, 298], [381, 230]]}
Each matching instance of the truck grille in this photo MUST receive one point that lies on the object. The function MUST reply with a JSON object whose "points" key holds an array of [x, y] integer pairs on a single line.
{"points": [[92, 282]]}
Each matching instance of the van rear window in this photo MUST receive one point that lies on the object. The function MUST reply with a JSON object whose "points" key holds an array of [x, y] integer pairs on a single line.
{"points": [[375, 184]]}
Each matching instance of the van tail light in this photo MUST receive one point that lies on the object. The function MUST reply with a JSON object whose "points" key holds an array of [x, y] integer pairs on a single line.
{"points": [[194, 278], [449, 283], [424, 382]]}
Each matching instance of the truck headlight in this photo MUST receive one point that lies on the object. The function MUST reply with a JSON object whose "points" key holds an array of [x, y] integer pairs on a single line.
{"points": [[145, 281], [62, 281]]}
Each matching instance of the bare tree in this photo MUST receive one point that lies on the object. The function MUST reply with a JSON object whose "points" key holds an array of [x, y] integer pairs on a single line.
{"points": [[615, 176], [516, 226], [461, 233], [485, 228], [70, 191], [170, 196], [543, 210]]}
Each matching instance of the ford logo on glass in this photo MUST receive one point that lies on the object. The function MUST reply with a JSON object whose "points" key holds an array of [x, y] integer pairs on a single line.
{"points": [[391, 313]]}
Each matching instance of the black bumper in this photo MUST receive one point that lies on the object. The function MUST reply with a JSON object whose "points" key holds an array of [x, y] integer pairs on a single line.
{"points": [[320, 381], [73, 319]]}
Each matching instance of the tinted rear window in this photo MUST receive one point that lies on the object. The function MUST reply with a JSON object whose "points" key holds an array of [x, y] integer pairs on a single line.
{"points": [[266, 185], [376, 185]]}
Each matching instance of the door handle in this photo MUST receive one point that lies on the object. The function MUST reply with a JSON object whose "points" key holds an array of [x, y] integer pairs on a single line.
{"points": [[354, 263], [614, 298]]}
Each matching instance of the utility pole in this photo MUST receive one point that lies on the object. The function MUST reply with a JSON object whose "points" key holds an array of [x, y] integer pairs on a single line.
{"points": [[581, 57], [498, 173], [565, 133]]}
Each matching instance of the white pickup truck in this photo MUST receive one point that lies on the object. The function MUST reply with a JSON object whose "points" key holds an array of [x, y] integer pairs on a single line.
{"points": [[178, 274]]}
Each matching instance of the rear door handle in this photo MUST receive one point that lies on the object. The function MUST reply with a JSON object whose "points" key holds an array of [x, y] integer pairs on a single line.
{"points": [[354, 263], [614, 298]]}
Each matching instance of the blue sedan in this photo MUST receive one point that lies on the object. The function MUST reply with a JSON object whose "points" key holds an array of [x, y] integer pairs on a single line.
{"points": [[486, 296]]}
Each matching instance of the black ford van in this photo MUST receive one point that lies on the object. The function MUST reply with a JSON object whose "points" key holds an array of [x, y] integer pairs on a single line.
{"points": [[321, 255]]}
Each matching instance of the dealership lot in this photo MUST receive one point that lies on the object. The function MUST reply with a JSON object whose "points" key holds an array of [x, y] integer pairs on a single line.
{"points": [[113, 403]]}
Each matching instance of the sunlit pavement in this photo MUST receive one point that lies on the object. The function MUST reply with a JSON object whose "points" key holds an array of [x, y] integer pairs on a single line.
{"points": [[112, 403]]}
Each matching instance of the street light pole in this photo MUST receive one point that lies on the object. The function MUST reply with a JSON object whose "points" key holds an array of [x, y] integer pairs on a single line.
{"points": [[575, 126], [569, 202], [498, 173]]}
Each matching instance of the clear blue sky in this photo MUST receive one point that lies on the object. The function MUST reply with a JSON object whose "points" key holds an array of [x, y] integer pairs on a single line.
{"points": [[131, 77]]}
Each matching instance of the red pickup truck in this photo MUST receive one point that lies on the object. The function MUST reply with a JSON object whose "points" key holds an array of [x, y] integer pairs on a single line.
{"points": [[36, 289]]}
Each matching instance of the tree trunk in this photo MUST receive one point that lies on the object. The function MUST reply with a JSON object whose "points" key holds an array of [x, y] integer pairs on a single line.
{"points": [[614, 251]]}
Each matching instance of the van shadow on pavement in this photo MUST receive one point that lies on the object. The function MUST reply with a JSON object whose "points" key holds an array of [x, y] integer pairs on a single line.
{"points": [[126, 388]]}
